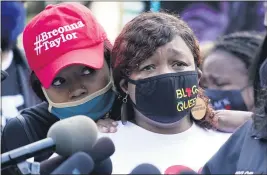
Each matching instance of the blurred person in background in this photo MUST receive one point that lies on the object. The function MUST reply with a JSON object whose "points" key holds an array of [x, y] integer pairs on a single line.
{"points": [[16, 92], [221, 17], [205, 49], [226, 78], [246, 150], [226, 71]]}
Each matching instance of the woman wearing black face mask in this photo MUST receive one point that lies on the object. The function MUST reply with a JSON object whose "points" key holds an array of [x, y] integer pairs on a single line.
{"points": [[165, 117], [225, 71], [245, 152]]}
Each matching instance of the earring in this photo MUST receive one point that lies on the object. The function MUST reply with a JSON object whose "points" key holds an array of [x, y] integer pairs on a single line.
{"points": [[124, 109]]}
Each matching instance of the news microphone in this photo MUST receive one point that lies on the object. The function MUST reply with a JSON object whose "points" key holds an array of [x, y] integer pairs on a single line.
{"points": [[104, 167], [67, 136], [4, 74], [49, 165], [145, 169], [179, 169], [101, 151], [187, 173], [78, 163]]}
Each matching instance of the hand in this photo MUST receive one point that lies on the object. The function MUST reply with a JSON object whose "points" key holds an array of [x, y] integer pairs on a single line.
{"points": [[107, 125], [230, 120]]}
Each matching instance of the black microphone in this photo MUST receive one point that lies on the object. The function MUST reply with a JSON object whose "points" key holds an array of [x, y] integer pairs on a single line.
{"points": [[104, 167], [100, 154], [4, 74], [49, 165], [187, 172], [103, 149], [145, 169], [78, 163], [68, 136]]}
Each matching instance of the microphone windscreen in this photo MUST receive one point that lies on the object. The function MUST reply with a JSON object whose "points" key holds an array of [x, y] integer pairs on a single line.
{"points": [[103, 149], [187, 172], [145, 169], [49, 165], [78, 163], [74, 134], [179, 169], [103, 167]]}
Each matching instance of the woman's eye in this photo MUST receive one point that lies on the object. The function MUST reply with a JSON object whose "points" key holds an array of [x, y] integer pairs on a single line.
{"points": [[221, 84], [87, 71], [179, 64], [148, 68], [58, 81]]}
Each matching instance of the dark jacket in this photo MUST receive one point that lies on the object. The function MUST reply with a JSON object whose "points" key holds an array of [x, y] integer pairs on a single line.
{"points": [[38, 120], [30, 99], [244, 153], [34, 127]]}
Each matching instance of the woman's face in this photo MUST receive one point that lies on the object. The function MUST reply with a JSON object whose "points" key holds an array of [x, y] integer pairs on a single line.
{"points": [[173, 57], [76, 82], [224, 71]]}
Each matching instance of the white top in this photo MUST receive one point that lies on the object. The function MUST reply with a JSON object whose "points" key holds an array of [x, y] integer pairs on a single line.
{"points": [[135, 146]]}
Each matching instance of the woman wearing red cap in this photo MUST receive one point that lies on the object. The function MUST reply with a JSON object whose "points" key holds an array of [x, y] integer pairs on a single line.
{"points": [[68, 52], [166, 120]]}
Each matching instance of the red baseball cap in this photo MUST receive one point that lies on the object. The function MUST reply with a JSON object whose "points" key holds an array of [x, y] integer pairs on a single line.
{"points": [[62, 35]]}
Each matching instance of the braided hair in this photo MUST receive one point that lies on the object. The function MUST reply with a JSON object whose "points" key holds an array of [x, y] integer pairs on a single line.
{"points": [[243, 45], [260, 93]]}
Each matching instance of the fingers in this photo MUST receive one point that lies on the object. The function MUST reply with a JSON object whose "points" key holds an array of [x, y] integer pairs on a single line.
{"points": [[107, 125], [102, 128]]}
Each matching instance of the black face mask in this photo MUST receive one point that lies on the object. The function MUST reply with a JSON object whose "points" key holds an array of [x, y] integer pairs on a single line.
{"points": [[166, 98], [229, 100]]}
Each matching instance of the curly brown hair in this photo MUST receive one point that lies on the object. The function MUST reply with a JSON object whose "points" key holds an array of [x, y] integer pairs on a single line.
{"points": [[141, 37]]}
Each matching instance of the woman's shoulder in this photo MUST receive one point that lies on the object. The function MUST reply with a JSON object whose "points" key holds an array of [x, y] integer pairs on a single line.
{"points": [[32, 125]]}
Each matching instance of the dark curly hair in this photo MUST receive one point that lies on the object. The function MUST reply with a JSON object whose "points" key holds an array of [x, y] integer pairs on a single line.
{"points": [[141, 37]]}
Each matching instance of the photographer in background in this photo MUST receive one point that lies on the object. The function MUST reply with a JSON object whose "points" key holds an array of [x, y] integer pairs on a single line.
{"points": [[16, 92]]}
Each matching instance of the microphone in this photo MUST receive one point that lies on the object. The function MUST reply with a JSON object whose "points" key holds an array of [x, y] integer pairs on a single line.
{"points": [[78, 163], [67, 136], [187, 173], [103, 149], [4, 75], [104, 167], [100, 154], [179, 169], [145, 168]]}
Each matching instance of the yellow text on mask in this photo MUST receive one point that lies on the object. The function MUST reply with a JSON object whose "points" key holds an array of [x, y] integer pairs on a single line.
{"points": [[186, 92], [182, 105]]}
